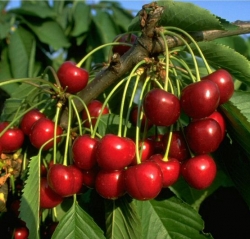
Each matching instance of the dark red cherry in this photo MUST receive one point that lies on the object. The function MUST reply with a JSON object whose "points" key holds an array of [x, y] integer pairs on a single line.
{"points": [[144, 121], [126, 38], [217, 116]]}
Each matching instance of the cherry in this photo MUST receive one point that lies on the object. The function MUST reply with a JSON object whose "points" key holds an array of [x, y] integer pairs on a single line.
{"points": [[225, 83], [158, 144], [127, 38], [42, 131], [83, 150], [110, 184], [65, 180], [143, 181], [200, 99], [178, 146], [72, 77], [221, 121], [94, 108], [89, 177], [48, 198], [161, 107], [21, 233], [14, 207], [203, 136], [29, 119], [170, 169], [12, 139], [114, 152], [199, 171], [134, 116]]}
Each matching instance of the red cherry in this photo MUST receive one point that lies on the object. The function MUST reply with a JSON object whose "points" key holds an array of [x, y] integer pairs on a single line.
{"points": [[161, 107], [158, 144], [89, 177], [65, 180], [203, 136], [114, 152], [72, 77], [29, 119], [42, 131], [94, 108], [14, 207], [21, 233], [83, 150], [170, 169], [127, 38], [178, 147], [221, 121], [199, 171], [143, 181], [48, 198], [12, 139], [225, 83], [110, 184], [200, 99], [134, 116]]}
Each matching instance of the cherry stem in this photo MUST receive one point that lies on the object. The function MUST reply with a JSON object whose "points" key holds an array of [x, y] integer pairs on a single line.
{"points": [[77, 115], [56, 118], [165, 158], [49, 68]]}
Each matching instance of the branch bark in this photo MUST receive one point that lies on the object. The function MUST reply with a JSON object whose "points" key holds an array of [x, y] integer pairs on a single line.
{"points": [[147, 45]]}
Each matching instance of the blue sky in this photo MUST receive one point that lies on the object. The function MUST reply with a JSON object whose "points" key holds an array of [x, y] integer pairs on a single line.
{"points": [[229, 10]]}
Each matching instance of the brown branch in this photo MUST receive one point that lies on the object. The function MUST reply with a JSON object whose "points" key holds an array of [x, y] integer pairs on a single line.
{"points": [[147, 45]]}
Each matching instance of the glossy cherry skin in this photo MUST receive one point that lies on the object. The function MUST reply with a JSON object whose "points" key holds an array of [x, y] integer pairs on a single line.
{"points": [[127, 38], [178, 146], [225, 83], [72, 77], [144, 120], [199, 171], [21, 233], [65, 180], [29, 119], [114, 152], [110, 184], [203, 136], [12, 139], [170, 169], [143, 181], [83, 150], [48, 198], [89, 177], [217, 116], [161, 107], [200, 99], [42, 131], [158, 143], [95, 109]]}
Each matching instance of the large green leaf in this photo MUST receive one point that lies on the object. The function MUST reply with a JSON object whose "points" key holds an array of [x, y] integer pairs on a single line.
{"points": [[222, 56], [170, 218], [122, 220], [184, 15], [75, 224], [122, 17], [20, 52], [30, 200]]}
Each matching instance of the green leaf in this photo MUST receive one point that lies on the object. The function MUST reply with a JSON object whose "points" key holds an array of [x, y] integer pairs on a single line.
{"points": [[76, 223], [184, 15], [170, 218], [20, 52], [81, 18], [30, 200], [3, 5], [122, 17], [227, 58], [122, 220], [49, 32]]}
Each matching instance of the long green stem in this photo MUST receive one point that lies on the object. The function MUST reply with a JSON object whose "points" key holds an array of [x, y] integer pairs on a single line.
{"points": [[58, 109]]}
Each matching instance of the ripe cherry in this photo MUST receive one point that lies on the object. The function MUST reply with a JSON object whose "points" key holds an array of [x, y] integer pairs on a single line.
{"points": [[126, 38], [110, 184], [200, 99], [170, 169], [143, 181], [203, 136], [144, 120], [42, 131], [21, 233], [65, 180], [161, 107], [225, 83], [72, 77], [199, 171], [217, 116], [95, 109], [114, 152], [29, 119], [48, 198], [89, 177], [83, 150], [12, 139]]}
